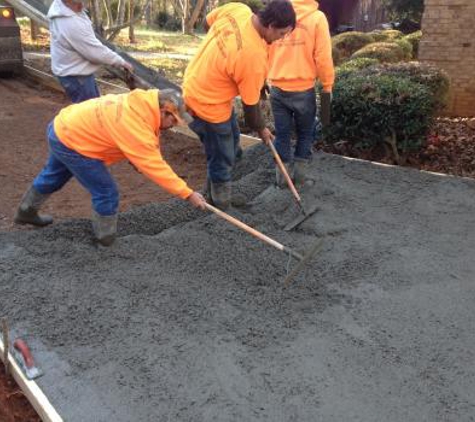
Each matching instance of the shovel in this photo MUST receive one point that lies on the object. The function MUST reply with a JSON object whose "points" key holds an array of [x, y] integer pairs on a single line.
{"points": [[302, 258], [306, 212]]}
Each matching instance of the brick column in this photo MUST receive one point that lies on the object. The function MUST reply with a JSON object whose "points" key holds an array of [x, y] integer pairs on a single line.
{"points": [[448, 41]]}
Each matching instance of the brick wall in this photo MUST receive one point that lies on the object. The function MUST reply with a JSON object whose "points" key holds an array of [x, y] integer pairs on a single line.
{"points": [[448, 41]]}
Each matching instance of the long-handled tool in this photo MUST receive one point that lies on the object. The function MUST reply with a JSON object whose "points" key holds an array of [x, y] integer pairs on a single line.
{"points": [[306, 212], [302, 258]]}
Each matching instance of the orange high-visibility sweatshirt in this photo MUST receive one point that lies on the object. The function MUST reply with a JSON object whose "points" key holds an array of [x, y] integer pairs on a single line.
{"points": [[305, 55], [232, 60], [117, 127]]}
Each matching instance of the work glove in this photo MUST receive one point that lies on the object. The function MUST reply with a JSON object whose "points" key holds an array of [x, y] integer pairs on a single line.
{"points": [[325, 108], [129, 79], [265, 91]]}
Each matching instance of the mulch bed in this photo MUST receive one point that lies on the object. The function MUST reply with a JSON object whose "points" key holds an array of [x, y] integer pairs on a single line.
{"points": [[450, 149]]}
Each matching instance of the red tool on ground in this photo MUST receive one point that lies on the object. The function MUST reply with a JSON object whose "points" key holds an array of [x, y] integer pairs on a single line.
{"points": [[25, 359]]}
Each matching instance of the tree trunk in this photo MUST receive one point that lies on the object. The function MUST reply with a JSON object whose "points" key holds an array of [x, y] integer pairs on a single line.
{"points": [[108, 8], [131, 20], [97, 16], [184, 15], [190, 24], [121, 12], [149, 13], [34, 30]]}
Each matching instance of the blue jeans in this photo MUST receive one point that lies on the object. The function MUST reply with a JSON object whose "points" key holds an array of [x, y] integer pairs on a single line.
{"points": [[80, 88], [64, 163], [221, 143], [289, 108]]}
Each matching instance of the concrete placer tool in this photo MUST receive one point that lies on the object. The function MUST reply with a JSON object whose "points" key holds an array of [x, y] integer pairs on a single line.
{"points": [[302, 258], [306, 211], [23, 356]]}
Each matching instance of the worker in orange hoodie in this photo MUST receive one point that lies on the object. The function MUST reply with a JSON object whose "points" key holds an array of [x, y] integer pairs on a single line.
{"points": [[296, 63], [87, 137], [232, 60]]}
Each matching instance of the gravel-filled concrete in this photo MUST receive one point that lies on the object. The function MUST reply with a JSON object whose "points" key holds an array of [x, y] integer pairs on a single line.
{"points": [[185, 318]]}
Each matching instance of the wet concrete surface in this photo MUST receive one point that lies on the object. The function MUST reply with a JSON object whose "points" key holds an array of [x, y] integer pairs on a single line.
{"points": [[186, 319]]}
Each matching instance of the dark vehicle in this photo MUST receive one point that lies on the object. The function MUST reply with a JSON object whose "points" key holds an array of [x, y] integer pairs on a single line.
{"points": [[11, 57]]}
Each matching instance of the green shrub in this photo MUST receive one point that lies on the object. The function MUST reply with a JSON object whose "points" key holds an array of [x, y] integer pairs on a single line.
{"points": [[349, 42], [406, 47], [368, 110], [414, 39], [385, 52], [354, 65], [430, 76], [386, 35]]}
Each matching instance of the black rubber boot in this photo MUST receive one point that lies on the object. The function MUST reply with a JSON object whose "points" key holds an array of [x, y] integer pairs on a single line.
{"points": [[27, 212], [221, 195], [105, 228]]}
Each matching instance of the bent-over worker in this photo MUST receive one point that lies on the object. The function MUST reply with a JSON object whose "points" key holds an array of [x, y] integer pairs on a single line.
{"points": [[85, 138]]}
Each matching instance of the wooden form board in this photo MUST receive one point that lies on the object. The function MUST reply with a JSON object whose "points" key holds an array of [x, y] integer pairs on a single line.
{"points": [[33, 393]]}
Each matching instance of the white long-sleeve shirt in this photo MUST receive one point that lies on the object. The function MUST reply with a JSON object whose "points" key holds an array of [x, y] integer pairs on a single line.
{"points": [[75, 50]]}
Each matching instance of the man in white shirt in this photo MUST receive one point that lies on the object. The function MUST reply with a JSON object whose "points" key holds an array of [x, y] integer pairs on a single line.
{"points": [[76, 53]]}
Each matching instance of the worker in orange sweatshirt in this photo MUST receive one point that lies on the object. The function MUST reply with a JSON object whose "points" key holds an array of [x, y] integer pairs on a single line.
{"points": [[232, 60], [296, 63], [87, 137]]}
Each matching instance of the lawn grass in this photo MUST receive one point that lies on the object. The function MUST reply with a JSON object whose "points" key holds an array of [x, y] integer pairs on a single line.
{"points": [[173, 69], [148, 40]]}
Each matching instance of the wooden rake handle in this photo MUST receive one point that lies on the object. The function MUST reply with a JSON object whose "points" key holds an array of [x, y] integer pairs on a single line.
{"points": [[285, 173], [253, 232]]}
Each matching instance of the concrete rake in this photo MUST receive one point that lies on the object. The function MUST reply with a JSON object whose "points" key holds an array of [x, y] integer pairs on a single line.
{"points": [[303, 259], [306, 211]]}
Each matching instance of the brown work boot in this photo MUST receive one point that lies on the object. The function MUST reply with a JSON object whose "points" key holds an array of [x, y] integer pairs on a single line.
{"points": [[27, 212]]}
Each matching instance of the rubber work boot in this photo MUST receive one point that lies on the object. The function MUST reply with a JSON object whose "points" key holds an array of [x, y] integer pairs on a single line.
{"points": [[105, 228], [27, 212], [222, 196], [301, 166], [280, 180]]}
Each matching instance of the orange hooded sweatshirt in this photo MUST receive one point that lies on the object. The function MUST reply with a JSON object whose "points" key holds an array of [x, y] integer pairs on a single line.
{"points": [[306, 54], [117, 127], [232, 60]]}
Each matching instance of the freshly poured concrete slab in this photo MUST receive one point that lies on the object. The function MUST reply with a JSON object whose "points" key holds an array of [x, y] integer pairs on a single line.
{"points": [[185, 318]]}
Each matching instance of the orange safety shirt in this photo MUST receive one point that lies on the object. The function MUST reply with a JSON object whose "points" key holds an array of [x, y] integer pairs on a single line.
{"points": [[305, 55], [117, 127], [231, 61]]}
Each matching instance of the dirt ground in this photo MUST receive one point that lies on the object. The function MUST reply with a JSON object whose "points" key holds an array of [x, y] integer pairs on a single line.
{"points": [[14, 406]]}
